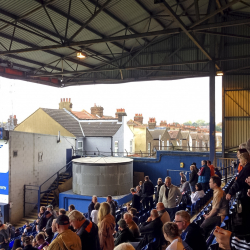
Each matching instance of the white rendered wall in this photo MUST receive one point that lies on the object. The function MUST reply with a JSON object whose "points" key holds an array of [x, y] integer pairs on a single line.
{"points": [[25, 169]]}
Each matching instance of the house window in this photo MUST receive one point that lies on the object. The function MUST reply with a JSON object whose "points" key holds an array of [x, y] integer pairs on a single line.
{"points": [[79, 145], [168, 143], [149, 147], [162, 145], [116, 148], [131, 146]]}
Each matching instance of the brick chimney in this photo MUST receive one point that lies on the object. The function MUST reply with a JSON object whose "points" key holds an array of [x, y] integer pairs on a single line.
{"points": [[97, 110], [120, 113], [163, 123], [151, 123], [65, 104], [15, 121], [138, 118]]}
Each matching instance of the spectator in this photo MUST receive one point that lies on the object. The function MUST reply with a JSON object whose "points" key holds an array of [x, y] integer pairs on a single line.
{"points": [[41, 241], [49, 235], [158, 187], [28, 228], [162, 213], [185, 187], [91, 206], [34, 243], [193, 179], [136, 199], [71, 208], [219, 206], [12, 231], [86, 230], [112, 203], [212, 173], [168, 196], [124, 246], [183, 178], [128, 207], [140, 184], [50, 217], [204, 175], [241, 185], [171, 234], [131, 224], [124, 234], [17, 244], [54, 230], [151, 229], [42, 219], [62, 211], [50, 209], [28, 244], [106, 225], [198, 194], [133, 212], [147, 193], [227, 241], [191, 232], [139, 191], [248, 146], [66, 239], [5, 233], [195, 167], [94, 213], [217, 172]]}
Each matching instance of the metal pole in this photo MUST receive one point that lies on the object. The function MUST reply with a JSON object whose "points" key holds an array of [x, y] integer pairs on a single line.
{"points": [[24, 190]]}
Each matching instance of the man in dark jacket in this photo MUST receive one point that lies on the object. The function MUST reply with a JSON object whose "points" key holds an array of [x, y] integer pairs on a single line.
{"points": [[124, 234], [136, 199], [147, 193], [158, 187], [191, 232], [241, 186], [92, 206], [151, 229], [193, 178], [28, 244], [49, 218], [86, 230], [113, 204], [204, 176], [42, 220]]}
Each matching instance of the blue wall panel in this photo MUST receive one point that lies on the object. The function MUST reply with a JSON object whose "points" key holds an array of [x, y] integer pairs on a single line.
{"points": [[169, 160]]}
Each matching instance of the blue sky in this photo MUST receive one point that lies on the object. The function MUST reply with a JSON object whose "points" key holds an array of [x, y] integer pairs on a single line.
{"points": [[174, 101]]}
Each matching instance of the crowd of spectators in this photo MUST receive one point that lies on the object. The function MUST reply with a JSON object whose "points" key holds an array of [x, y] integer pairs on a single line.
{"points": [[165, 227]]}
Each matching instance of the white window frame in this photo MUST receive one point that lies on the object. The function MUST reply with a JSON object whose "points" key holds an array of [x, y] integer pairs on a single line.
{"points": [[149, 147], [162, 145], [131, 146], [116, 148], [80, 148]]}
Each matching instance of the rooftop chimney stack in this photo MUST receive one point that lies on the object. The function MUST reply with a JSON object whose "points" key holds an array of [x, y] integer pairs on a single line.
{"points": [[65, 104], [15, 121], [97, 110], [163, 123], [120, 113], [138, 118], [151, 123]]}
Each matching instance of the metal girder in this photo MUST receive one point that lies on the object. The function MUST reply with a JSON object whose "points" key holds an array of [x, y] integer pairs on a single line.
{"points": [[223, 34], [214, 13], [183, 9], [73, 19], [28, 14], [90, 20], [47, 51], [197, 12], [183, 27], [133, 36], [151, 15]]}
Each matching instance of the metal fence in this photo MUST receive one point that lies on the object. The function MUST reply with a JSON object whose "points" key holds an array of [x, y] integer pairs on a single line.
{"points": [[227, 167], [185, 148]]}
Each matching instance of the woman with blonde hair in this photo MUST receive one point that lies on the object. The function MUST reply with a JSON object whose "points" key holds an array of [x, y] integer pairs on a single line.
{"points": [[106, 225]]}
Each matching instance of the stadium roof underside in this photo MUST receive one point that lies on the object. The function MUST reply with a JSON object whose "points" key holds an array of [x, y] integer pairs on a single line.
{"points": [[123, 40]]}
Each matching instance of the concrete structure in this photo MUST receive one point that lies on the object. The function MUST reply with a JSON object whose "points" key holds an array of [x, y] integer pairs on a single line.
{"points": [[29, 159], [102, 176]]}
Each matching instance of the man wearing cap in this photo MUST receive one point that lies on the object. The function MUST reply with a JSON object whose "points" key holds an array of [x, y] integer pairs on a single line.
{"points": [[86, 230], [50, 208], [66, 238], [49, 218], [124, 234]]}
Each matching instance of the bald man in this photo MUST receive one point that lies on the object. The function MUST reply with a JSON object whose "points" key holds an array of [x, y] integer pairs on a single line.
{"points": [[151, 229], [162, 212]]}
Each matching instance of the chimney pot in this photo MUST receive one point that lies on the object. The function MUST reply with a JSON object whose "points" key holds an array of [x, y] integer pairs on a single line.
{"points": [[66, 99], [69, 99]]}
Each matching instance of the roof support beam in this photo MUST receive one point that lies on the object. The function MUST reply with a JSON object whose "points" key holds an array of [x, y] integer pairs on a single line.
{"points": [[127, 37], [182, 26]]}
